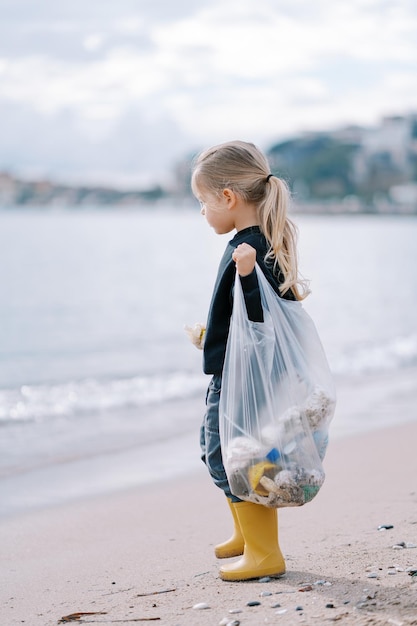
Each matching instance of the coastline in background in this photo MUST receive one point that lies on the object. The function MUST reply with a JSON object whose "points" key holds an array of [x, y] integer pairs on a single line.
{"points": [[352, 169]]}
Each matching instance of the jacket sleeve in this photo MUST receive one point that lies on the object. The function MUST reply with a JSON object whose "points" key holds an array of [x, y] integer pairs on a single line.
{"points": [[252, 297]]}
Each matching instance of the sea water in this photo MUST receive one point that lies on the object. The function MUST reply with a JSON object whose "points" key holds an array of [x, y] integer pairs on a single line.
{"points": [[99, 385]]}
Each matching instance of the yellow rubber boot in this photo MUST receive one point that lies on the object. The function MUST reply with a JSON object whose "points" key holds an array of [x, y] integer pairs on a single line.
{"points": [[262, 555], [233, 546]]}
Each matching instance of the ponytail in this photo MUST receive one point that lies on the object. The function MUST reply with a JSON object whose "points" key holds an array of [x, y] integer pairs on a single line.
{"points": [[281, 234]]}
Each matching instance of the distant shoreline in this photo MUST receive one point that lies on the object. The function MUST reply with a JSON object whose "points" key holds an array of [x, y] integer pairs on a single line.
{"points": [[172, 203]]}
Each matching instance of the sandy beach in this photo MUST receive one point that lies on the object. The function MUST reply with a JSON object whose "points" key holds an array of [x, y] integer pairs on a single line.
{"points": [[146, 554]]}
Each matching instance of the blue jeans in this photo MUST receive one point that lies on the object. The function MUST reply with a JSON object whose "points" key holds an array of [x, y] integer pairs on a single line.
{"points": [[210, 439]]}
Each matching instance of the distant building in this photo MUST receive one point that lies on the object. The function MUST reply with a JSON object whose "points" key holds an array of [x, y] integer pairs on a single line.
{"points": [[8, 189], [366, 163], [386, 155]]}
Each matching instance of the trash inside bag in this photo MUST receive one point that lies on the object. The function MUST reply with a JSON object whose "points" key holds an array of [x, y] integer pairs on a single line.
{"points": [[276, 402]]}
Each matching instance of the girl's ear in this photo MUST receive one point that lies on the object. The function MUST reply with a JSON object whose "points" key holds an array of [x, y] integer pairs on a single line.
{"points": [[230, 197]]}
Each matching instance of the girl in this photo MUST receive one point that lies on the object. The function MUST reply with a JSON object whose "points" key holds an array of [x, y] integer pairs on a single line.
{"points": [[236, 191]]}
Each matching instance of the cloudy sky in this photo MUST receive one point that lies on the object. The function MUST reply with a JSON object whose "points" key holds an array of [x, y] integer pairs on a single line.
{"points": [[120, 90]]}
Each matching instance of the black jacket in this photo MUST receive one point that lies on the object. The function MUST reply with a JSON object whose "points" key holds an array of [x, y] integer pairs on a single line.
{"points": [[220, 310]]}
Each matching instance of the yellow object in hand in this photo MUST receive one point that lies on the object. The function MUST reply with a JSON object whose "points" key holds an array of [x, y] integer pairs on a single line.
{"points": [[196, 334]]}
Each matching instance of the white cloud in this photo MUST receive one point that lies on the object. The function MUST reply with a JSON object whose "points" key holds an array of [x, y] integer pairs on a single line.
{"points": [[249, 68], [132, 25], [107, 84], [93, 42], [248, 40]]}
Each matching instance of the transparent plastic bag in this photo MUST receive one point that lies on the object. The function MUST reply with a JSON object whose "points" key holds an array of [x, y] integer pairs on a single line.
{"points": [[276, 402]]}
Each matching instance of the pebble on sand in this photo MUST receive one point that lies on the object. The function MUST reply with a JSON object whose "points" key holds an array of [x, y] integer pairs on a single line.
{"points": [[402, 544], [385, 527], [201, 605]]}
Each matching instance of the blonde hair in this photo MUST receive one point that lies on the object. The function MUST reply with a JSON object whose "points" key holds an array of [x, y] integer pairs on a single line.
{"points": [[244, 169]]}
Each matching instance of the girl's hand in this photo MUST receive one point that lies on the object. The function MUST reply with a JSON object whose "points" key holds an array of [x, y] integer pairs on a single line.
{"points": [[245, 258]]}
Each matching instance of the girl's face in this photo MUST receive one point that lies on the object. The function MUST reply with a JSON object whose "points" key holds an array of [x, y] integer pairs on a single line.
{"points": [[216, 210]]}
